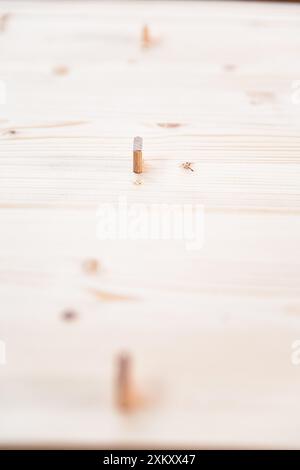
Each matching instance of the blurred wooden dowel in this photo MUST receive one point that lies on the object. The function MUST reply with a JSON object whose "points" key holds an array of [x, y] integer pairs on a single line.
{"points": [[127, 398], [3, 21], [146, 41]]}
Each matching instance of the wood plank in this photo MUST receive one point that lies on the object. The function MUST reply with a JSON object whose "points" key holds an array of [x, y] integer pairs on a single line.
{"points": [[210, 330]]}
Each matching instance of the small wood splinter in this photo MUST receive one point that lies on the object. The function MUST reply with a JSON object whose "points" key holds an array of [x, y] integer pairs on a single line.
{"points": [[187, 166], [138, 155]]}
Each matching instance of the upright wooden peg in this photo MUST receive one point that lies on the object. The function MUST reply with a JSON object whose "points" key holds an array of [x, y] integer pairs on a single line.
{"points": [[138, 155]]}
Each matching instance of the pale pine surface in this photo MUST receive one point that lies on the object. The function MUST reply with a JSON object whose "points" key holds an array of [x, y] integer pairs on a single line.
{"points": [[210, 331]]}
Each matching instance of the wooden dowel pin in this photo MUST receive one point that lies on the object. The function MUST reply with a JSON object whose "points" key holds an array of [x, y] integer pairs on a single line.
{"points": [[124, 383], [128, 397], [138, 155], [3, 21], [146, 41]]}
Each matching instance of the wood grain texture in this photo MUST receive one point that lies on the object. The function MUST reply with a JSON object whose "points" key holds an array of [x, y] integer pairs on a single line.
{"points": [[210, 330]]}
